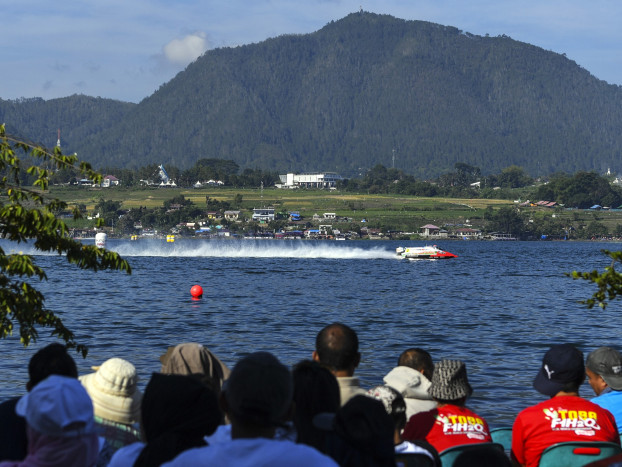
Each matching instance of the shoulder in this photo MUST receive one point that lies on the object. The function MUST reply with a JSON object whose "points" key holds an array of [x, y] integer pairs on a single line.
{"points": [[254, 452], [127, 455]]}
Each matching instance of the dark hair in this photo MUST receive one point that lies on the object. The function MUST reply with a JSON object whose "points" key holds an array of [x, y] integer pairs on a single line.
{"points": [[178, 411], [52, 359], [337, 347], [417, 359], [315, 391]]}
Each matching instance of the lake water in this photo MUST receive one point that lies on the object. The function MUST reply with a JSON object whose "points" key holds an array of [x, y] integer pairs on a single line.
{"points": [[498, 307]]}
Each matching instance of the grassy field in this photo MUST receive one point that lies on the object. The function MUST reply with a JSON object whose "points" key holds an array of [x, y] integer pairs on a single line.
{"points": [[396, 212]]}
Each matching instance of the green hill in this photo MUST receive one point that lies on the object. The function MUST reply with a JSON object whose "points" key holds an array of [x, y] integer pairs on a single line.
{"points": [[343, 98]]}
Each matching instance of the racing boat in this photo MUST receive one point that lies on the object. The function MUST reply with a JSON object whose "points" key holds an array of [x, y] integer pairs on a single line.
{"points": [[423, 252]]}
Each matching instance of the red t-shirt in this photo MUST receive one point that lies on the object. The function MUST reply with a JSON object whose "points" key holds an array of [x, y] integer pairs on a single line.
{"points": [[447, 426], [557, 420]]}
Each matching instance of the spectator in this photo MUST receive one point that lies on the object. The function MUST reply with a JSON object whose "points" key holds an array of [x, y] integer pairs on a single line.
{"points": [[604, 373], [412, 378], [360, 433], [315, 391], [257, 397], [59, 425], [52, 359], [116, 401], [194, 359], [451, 423], [395, 406], [177, 413], [337, 348], [565, 416]]}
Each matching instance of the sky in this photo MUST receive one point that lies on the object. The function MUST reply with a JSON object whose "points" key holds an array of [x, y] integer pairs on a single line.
{"points": [[126, 49]]}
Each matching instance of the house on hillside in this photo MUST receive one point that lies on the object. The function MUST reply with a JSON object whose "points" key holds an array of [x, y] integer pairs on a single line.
{"points": [[263, 214], [430, 230], [232, 216], [109, 180], [468, 233]]}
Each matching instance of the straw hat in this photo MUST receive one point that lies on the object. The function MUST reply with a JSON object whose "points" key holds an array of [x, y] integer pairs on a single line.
{"points": [[113, 391]]}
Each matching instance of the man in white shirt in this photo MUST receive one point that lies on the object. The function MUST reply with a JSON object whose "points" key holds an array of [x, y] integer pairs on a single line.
{"points": [[257, 398]]}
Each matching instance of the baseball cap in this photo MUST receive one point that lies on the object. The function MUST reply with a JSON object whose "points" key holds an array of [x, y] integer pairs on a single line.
{"points": [[562, 364], [607, 362], [58, 406]]}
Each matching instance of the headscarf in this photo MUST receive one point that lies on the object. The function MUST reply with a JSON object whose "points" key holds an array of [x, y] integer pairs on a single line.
{"points": [[56, 451], [194, 359], [177, 413]]}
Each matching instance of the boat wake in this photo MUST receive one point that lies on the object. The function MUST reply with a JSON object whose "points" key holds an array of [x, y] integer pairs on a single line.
{"points": [[300, 249], [253, 249]]}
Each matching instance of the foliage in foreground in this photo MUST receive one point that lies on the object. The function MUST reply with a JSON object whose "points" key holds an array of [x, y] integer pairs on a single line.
{"points": [[27, 215], [609, 282]]}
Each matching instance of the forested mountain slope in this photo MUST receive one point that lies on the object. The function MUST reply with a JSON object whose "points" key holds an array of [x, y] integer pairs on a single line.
{"points": [[345, 97]]}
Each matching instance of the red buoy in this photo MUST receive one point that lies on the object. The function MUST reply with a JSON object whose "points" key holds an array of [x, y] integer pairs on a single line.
{"points": [[196, 291]]}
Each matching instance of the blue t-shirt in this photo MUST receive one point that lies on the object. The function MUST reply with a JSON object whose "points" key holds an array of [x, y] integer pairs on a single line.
{"points": [[612, 401]]}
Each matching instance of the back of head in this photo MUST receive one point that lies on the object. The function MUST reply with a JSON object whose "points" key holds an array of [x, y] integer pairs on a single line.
{"points": [[52, 359], [337, 347], [449, 382], [393, 403], [177, 413], [606, 362], [482, 455], [363, 434], [192, 358], [562, 370], [315, 391], [417, 359], [259, 391]]}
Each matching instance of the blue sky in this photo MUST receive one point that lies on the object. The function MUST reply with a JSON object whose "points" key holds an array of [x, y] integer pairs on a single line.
{"points": [[126, 49]]}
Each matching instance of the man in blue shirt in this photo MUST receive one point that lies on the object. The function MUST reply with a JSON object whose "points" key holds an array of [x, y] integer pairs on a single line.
{"points": [[604, 373]]}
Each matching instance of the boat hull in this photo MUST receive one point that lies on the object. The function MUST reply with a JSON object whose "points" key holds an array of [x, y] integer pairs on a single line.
{"points": [[427, 252]]}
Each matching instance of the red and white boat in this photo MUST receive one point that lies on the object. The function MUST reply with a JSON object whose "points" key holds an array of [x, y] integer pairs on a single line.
{"points": [[423, 252]]}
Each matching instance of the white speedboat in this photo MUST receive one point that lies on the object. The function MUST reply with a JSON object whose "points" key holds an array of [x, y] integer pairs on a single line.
{"points": [[423, 252]]}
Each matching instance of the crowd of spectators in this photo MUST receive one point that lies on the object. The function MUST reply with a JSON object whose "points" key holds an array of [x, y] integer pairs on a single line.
{"points": [[196, 411]]}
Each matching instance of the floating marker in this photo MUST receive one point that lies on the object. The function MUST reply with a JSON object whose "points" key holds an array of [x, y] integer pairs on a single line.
{"points": [[196, 291], [100, 240]]}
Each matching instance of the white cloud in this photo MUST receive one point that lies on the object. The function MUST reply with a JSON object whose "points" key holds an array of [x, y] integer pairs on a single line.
{"points": [[186, 50]]}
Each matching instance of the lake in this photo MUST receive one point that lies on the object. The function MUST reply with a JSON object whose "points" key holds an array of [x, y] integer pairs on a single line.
{"points": [[498, 306]]}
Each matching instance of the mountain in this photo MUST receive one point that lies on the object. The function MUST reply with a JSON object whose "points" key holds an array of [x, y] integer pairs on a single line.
{"points": [[367, 89]]}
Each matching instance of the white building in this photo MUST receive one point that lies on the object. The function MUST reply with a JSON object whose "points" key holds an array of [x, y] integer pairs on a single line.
{"points": [[263, 214], [309, 180]]}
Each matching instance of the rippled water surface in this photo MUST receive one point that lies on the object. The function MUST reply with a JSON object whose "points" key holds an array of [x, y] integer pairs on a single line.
{"points": [[498, 307]]}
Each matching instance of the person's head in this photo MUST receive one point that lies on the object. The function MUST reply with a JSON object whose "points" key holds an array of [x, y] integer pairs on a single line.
{"points": [[604, 369], [114, 392], [191, 358], [417, 359], [450, 384], [52, 359], [337, 347], [362, 433], [59, 407], [315, 391], [257, 397], [393, 403], [562, 370], [177, 412]]}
